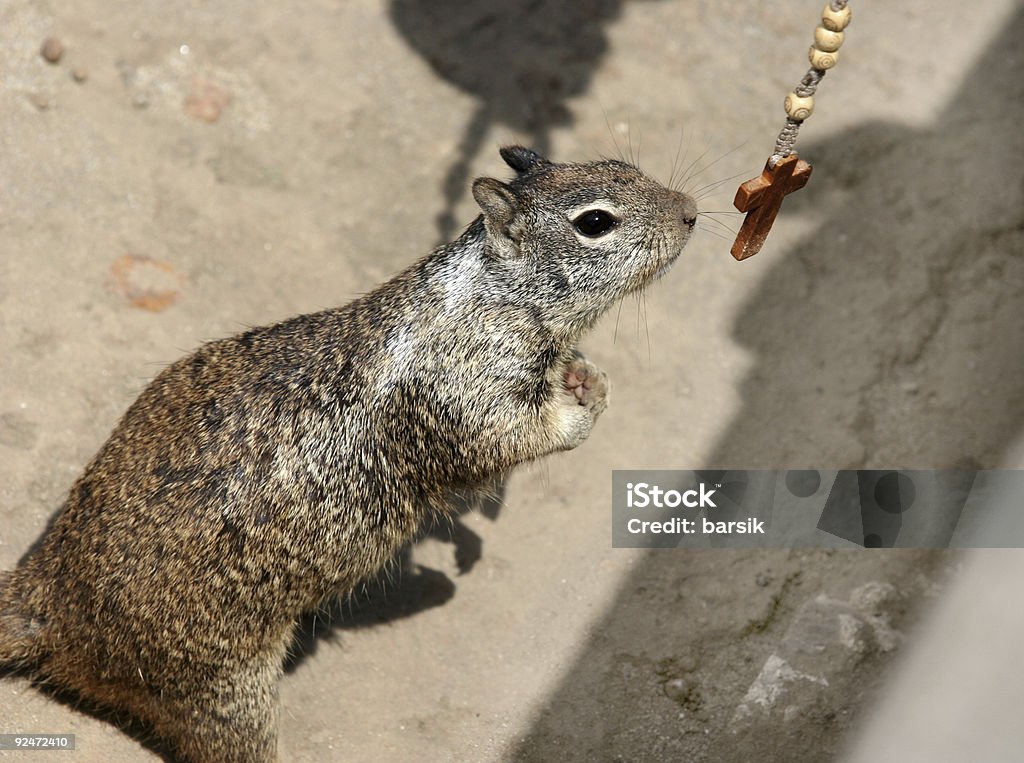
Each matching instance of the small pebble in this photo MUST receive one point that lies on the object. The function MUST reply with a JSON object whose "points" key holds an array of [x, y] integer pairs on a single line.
{"points": [[78, 74], [52, 49], [147, 283], [682, 691], [40, 100], [762, 579], [206, 100], [140, 100]]}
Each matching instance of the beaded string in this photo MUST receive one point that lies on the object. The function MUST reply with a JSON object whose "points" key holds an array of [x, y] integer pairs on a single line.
{"points": [[823, 55], [761, 197]]}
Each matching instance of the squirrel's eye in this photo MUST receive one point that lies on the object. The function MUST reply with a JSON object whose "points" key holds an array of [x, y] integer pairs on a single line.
{"points": [[594, 223]]}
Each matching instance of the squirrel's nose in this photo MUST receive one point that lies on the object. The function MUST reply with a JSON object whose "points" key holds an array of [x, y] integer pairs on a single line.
{"points": [[686, 208]]}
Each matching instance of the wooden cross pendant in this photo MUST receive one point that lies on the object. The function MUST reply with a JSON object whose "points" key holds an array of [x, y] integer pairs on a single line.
{"points": [[761, 198]]}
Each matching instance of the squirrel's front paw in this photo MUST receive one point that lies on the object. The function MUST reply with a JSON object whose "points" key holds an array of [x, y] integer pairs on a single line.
{"points": [[588, 384]]}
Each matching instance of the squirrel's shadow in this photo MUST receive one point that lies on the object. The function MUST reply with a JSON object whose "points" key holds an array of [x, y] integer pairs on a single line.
{"points": [[404, 588]]}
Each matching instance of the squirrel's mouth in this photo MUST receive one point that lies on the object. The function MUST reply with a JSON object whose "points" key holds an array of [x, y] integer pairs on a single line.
{"points": [[661, 257], [648, 277], [666, 266]]}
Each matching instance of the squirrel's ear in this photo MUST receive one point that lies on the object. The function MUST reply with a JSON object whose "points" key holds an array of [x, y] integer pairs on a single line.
{"points": [[523, 160], [497, 202]]}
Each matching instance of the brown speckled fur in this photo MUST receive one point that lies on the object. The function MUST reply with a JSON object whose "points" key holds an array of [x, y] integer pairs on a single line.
{"points": [[269, 471]]}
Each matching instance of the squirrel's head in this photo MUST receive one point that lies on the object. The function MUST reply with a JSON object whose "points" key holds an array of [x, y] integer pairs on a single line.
{"points": [[579, 237]]}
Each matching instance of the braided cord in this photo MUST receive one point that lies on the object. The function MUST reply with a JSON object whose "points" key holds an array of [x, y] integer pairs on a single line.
{"points": [[807, 87]]}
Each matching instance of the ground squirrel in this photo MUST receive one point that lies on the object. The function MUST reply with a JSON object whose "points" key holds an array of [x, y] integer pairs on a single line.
{"points": [[272, 470]]}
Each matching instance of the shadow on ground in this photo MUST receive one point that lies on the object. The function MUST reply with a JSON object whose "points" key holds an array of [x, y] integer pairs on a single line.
{"points": [[404, 588], [521, 60], [892, 336]]}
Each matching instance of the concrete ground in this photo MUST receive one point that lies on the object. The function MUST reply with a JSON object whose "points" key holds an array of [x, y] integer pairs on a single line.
{"points": [[187, 169]]}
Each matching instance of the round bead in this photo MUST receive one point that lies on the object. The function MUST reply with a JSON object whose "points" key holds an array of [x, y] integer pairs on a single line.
{"points": [[799, 108], [827, 41], [835, 21], [821, 59]]}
